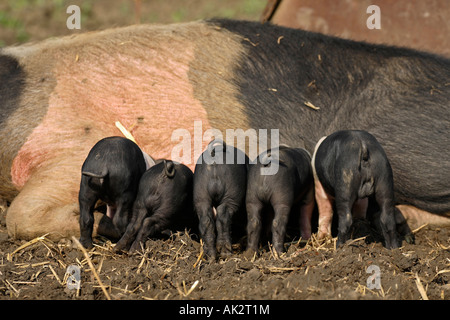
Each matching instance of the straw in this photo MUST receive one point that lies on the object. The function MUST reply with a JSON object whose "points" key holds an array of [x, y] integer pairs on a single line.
{"points": [[91, 266]]}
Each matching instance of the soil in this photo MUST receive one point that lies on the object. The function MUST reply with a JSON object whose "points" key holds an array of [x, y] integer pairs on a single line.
{"points": [[174, 268]]}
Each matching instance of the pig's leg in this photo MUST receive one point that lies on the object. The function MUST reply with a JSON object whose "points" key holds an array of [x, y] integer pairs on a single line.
{"points": [[148, 229], [123, 211], [416, 217], [344, 204], [403, 227], [139, 214], [206, 226], [254, 227], [223, 226], [151, 226], [385, 201], [325, 207], [87, 199], [108, 229], [279, 224], [306, 210]]}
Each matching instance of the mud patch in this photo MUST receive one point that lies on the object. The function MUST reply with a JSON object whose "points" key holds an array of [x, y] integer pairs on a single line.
{"points": [[174, 269]]}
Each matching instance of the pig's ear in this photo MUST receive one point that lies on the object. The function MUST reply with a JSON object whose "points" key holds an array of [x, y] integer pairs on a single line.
{"points": [[169, 168]]}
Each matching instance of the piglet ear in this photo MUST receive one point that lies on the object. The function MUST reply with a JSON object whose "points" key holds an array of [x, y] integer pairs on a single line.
{"points": [[169, 168]]}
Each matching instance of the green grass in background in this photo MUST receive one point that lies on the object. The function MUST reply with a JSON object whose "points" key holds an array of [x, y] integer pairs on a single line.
{"points": [[29, 20]]}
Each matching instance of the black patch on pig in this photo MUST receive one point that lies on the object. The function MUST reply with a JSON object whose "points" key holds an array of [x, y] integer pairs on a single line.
{"points": [[400, 95], [12, 82]]}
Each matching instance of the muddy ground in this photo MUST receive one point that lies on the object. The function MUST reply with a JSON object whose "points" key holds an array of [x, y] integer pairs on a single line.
{"points": [[171, 269], [174, 269]]}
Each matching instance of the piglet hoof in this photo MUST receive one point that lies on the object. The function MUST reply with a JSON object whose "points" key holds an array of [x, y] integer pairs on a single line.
{"points": [[321, 238], [136, 246], [278, 255], [120, 251], [211, 255], [250, 254], [393, 244], [224, 250], [120, 248], [211, 258], [409, 238], [323, 235], [340, 242], [87, 243], [225, 255]]}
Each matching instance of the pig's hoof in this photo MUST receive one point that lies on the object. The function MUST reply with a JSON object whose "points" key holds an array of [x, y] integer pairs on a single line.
{"points": [[136, 246], [120, 248], [250, 254], [409, 238], [340, 243], [224, 250], [211, 256], [323, 235], [225, 254], [278, 255], [87, 243]]}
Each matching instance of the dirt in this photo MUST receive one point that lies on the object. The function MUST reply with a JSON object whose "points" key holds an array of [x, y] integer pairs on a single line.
{"points": [[175, 269]]}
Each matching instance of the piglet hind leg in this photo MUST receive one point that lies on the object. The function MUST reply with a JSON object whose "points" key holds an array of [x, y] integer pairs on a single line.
{"points": [[125, 242], [254, 227], [402, 227], [149, 228], [123, 211], [152, 226], [107, 229], [87, 199], [344, 210], [325, 208], [206, 226], [223, 225], [387, 220], [279, 224], [306, 210], [388, 225]]}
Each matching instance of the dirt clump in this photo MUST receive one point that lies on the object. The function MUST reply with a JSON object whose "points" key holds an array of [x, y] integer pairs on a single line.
{"points": [[175, 269]]}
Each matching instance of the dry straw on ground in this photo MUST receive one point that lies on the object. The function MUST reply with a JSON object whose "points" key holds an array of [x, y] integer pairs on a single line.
{"points": [[175, 268]]}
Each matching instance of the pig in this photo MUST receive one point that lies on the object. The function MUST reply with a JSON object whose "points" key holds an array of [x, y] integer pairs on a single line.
{"points": [[220, 182], [350, 166], [163, 204], [288, 192], [228, 74], [110, 173]]}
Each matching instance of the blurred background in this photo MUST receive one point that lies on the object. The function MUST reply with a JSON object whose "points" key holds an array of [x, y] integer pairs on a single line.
{"points": [[419, 24], [27, 20]]}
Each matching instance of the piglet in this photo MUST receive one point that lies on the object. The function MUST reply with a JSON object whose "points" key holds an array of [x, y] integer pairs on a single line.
{"points": [[110, 173], [163, 205], [273, 199], [350, 166], [220, 181]]}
